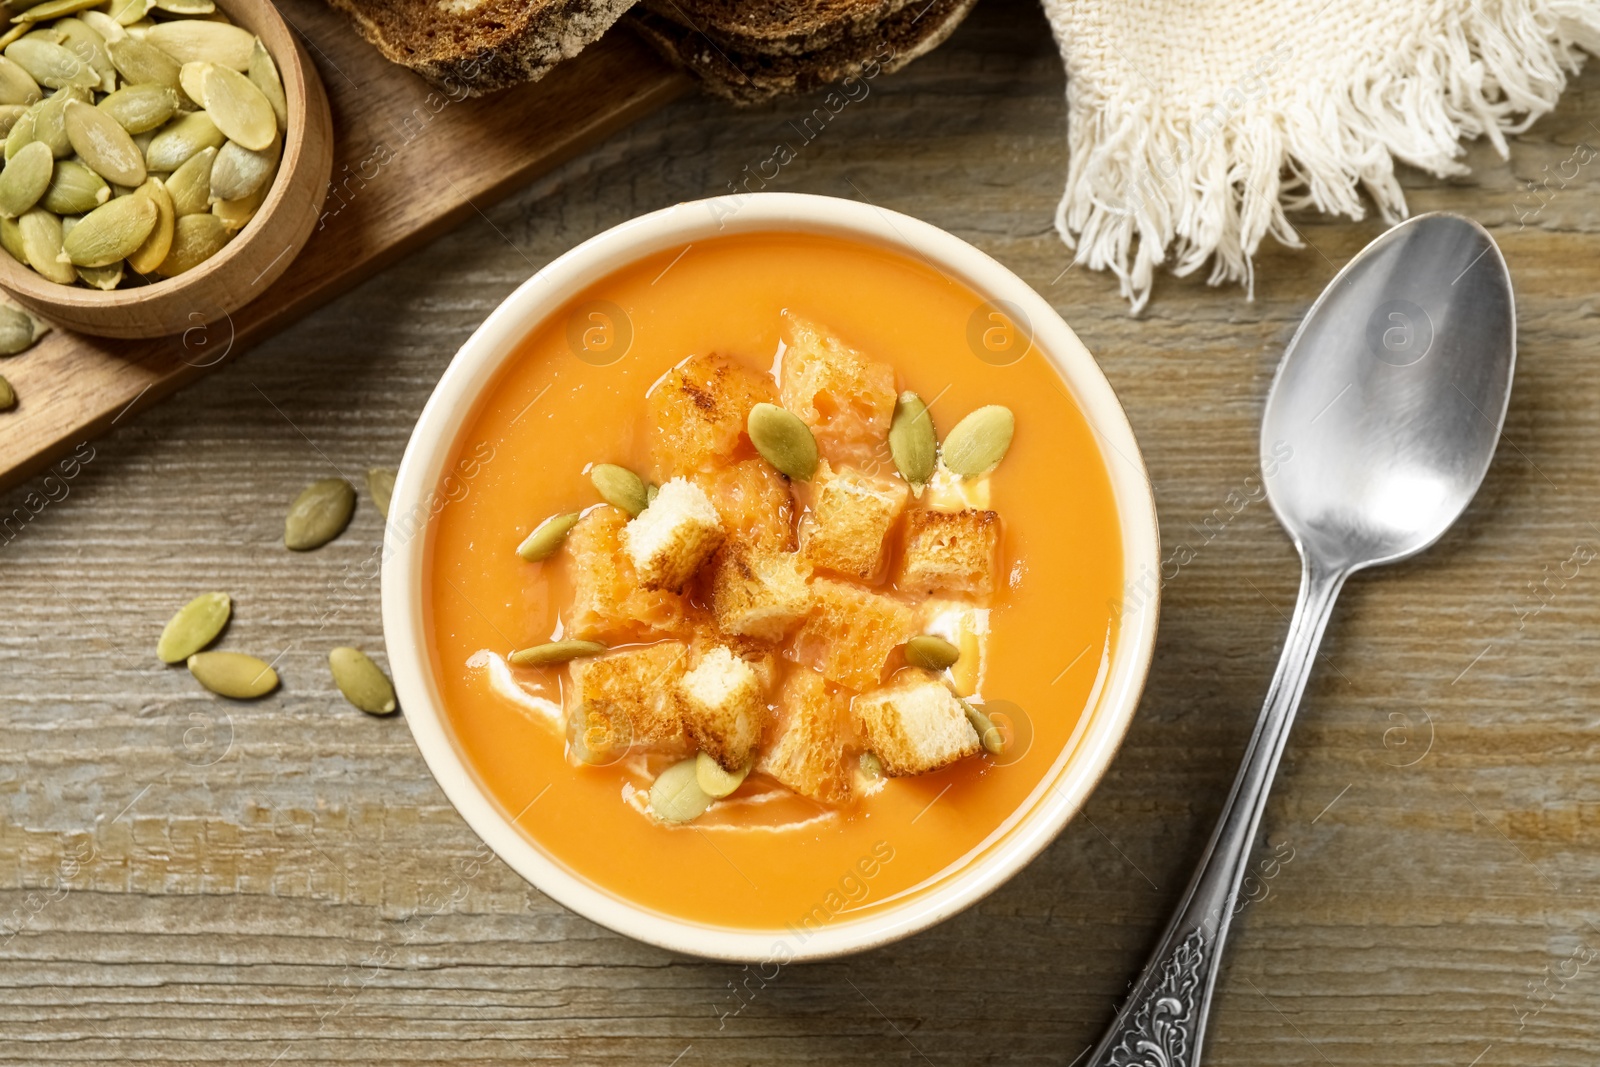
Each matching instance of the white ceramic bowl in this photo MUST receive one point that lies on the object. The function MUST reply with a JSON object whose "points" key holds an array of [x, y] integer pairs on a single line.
{"points": [[1071, 777]]}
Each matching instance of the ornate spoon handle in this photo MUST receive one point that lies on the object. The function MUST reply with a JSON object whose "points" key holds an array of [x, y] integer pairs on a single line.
{"points": [[1163, 1021]]}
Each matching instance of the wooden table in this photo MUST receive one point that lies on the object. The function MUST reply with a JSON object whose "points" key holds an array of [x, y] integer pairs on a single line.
{"points": [[282, 882]]}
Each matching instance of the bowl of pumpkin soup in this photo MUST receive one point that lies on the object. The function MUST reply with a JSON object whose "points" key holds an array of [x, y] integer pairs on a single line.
{"points": [[767, 578]]}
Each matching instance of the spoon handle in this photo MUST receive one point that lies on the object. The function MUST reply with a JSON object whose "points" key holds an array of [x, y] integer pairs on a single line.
{"points": [[1163, 1021]]}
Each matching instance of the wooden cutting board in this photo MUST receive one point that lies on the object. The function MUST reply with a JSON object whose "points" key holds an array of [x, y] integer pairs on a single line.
{"points": [[409, 162]]}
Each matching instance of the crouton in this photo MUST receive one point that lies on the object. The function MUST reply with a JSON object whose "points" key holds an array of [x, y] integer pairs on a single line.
{"points": [[636, 687], [916, 724], [754, 501], [757, 592], [672, 537], [722, 703], [608, 603], [851, 515], [698, 409], [850, 633], [804, 744], [950, 552], [846, 398]]}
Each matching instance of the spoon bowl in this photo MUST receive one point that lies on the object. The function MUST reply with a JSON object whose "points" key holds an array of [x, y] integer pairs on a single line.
{"points": [[1391, 395]]}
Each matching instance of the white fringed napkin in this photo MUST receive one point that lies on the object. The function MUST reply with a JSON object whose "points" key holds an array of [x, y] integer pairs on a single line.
{"points": [[1194, 125]]}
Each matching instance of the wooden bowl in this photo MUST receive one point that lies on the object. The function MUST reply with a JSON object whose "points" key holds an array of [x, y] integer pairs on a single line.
{"points": [[256, 256]]}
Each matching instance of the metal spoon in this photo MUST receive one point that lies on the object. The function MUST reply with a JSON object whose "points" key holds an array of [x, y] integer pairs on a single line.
{"points": [[1378, 430]]}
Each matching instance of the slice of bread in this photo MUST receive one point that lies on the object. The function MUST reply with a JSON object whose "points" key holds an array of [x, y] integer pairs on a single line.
{"points": [[672, 537], [915, 724], [804, 743], [470, 47], [951, 552], [758, 593], [851, 514], [722, 703]]}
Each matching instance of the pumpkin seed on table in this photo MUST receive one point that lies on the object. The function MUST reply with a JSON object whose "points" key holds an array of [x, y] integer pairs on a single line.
{"points": [[74, 189], [547, 537], [104, 145], [321, 511], [676, 795], [190, 185], [912, 444], [362, 681], [111, 232], [8, 396], [783, 441], [140, 63], [193, 627], [713, 780], [978, 443], [620, 487], [263, 72], [931, 652], [140, 108], [17, 85], [195, 239], [233, 674], [149, 256], [25, 179], [50, 64], [180, 139], [41, 246], [380, 486], [18, 330], [237, 107], [195, 40], [554, 652], [239, 172]]}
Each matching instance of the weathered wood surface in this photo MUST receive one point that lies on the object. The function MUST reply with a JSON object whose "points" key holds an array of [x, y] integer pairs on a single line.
{"points": [[286, 884]]}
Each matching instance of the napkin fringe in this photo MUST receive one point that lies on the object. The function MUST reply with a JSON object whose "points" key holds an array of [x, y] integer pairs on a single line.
{"points": [[1152, 181]]}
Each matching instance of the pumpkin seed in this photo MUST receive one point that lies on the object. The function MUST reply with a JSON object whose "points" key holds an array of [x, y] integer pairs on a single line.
{"points": [[783, 440], [911, 439], [651, 491], [547, 537], [239, 171], [380, 486], [104, 145], [321, 511], [362, 681], [871, 766], [107, 27], [236, 214], [190, 184], [103, 278], [15, 33], [11, 240], [8, 396], [186, 7], [55, 9], [978, 443], [9, 114], [195, 40], [195, 239], [191, 79], [77, 37], [989, 735], [140, 108], [263, 73], [50, 121], [180, 139], [620, 487], [140, 63], [931, 653], [158, 245], [111, 232], [195, 626], [47, 34], [238, 108], [713, 780], [17, 85], [74, 189], [21, 133], [18, 330], [233, 674], [676, 795], [25, 179], [554, 652], [127, 12], [41, 242], [50, 64]]}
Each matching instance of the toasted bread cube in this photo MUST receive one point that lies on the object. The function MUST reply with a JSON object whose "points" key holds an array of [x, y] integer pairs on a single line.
{"points": [[722, 702], [672, 537], [754, 500], [804, 744], [698, 410], [758, 593], [950, 552], [846, 398], [850, 633], [608, 603], [851, 515], [915, 724], [635, 686]]}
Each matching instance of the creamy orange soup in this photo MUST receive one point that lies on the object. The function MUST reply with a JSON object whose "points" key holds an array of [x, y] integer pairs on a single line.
{"points": [[575, 395]]}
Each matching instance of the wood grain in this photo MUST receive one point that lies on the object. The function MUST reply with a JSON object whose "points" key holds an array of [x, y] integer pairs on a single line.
{"points": [[410, 161], [310, 898]]}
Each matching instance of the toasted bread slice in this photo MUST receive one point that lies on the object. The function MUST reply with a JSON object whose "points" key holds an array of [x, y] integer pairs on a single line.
{"points": [[850, 632], [757, 592], [845, 397], [915, 724], [950, 552], [698, 412], [804, 746], [671, 538], [608, 601], [755, 502], [851, 515], [636, 686], [722, 702], [784, 28], [470, 47]]}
